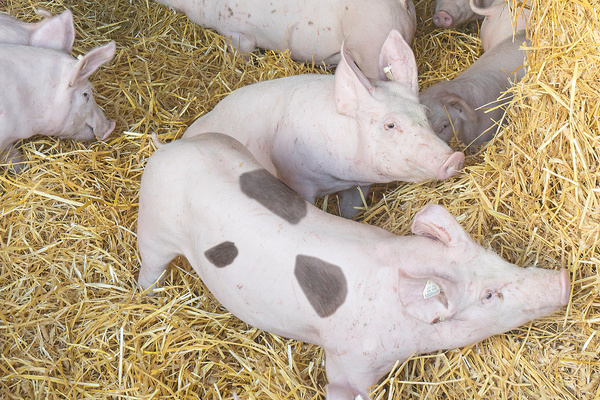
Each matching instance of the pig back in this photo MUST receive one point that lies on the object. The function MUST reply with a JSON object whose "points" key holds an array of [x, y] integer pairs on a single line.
{"points": [[260, 258]]}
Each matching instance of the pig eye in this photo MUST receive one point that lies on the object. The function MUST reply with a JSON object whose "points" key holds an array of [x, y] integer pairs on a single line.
{"points": [[390, 126], [488, 295], [86, 96]]}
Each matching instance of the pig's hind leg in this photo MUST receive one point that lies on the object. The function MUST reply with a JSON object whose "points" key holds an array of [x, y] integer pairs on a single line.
{"points": [[155, 257]]}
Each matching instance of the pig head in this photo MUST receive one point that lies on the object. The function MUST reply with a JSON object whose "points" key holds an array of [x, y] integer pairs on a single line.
{"points": [[451, 13], [312, 30], [466, 105], [322, 134], [498, 23], [55, 32], [286, 267], [47, 92]]}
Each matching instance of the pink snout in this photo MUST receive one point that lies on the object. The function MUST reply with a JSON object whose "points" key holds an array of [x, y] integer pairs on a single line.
{"points": [[442, 18], [453, 164], [565, 286], [106, 133]]}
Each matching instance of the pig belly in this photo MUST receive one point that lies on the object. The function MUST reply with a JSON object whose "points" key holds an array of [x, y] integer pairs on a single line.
{"points": [[305, 29]]}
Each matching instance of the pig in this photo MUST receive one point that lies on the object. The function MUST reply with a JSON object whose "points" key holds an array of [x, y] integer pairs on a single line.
{"points": [[47, 92], [322, 134], [52, 32], [368, 297], [461, 105], [498, 23], [451, 13], [312, 30]]}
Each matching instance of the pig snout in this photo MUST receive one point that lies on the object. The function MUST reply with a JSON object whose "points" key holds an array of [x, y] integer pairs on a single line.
{"points": [[443, 19], [565, 286], [104, 130], [453, 164]]}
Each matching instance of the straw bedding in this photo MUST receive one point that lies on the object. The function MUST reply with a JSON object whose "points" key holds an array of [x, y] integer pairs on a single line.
{"points": [[73, 326]]}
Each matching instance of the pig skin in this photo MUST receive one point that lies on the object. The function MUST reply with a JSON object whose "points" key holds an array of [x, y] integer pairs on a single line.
{"points": [[497, 24], [322, 134], [47, 92], [284, 266], [52, 32], [313, 30], [468, 99]]}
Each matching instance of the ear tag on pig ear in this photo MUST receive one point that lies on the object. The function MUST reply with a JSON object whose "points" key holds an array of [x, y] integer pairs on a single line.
{"points": [[388, 72], [431, 289]]}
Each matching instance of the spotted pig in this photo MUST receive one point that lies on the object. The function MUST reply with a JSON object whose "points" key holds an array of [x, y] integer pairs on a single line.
{"points": [[368, 297]]}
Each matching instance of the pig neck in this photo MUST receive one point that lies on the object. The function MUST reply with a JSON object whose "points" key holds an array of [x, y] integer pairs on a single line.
{"points": [[341, 144], [38, 80], [385, 332]]}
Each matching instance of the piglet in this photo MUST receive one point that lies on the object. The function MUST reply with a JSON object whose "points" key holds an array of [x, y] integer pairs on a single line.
{"points": [[368, 297], [52, 32], [464, 106], [313, 30], [323, 134], [451, 13], [498, 23], [47, 92]]}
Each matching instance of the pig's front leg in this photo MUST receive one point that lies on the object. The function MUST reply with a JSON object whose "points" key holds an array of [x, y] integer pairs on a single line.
{"points": [[12, 157], [347, 378], [350, 199]]}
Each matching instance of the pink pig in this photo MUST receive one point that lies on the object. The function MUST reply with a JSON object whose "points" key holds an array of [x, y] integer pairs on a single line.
{"points": [[368, 297], [498, 23], [313, 30], [47, 92], [52, 32], [451, 13], [466, 104], [322, 134]]}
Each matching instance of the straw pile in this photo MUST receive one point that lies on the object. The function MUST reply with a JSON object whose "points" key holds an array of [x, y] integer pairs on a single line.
{"points": [[73, 326]]}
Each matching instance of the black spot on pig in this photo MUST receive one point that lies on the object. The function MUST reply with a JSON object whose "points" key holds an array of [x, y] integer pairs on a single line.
{"points": [[222, 254], [323, 284], [275, 195]]}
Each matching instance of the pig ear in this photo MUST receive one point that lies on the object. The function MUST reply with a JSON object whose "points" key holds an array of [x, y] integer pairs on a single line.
{"points": [[55, 32], [457, 103], [435, 222], [90, 62], [397, 62], [351, 85]]}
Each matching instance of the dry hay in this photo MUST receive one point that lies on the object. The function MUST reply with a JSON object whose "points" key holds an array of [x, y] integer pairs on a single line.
{"points": [[73, 326]]}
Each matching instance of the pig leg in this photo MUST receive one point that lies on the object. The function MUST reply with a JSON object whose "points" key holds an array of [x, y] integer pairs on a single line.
{"points": [[347, 378], [155, 258], [350, 199]]}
